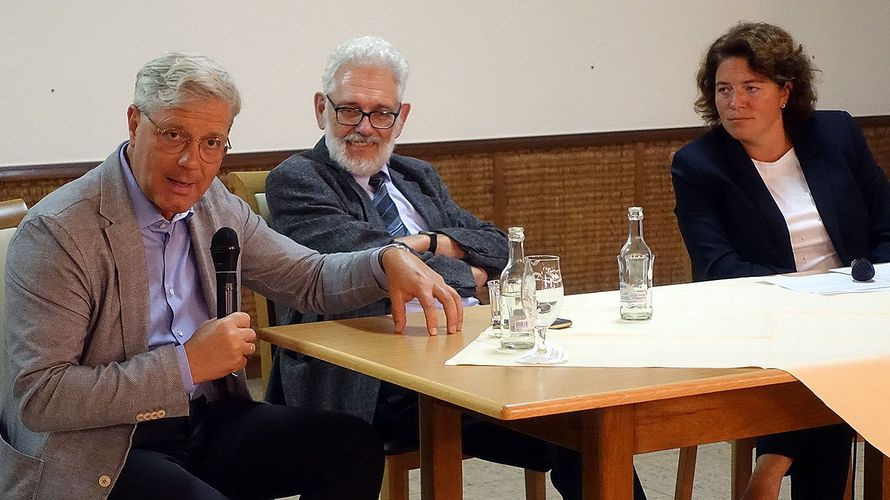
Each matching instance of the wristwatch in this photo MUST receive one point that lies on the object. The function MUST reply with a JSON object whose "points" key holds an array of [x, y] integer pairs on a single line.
{"points": [[433, 240], [395, 244]]}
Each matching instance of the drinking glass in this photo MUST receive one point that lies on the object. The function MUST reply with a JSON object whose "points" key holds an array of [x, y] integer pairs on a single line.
{"points": [[494, 298], [549, 295]]}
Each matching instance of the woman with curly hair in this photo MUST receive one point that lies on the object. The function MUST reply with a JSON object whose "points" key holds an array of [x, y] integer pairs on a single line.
{"points": [[776, 187]]}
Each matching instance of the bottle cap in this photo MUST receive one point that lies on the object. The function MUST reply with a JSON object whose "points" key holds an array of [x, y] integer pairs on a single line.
{"points": [[516, 233], [635, 213]]}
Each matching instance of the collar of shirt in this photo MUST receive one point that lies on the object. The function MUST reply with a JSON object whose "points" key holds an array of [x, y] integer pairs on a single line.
{"points": [[147, 215], [364, 180]]}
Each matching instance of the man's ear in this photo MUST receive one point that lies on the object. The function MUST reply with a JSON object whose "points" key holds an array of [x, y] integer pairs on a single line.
{"points": [[320, 102], [133, 115], [405, 110]]}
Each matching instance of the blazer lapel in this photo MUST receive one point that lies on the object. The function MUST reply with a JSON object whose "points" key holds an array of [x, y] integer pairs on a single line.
{"points": [[321, 154], [129, 259], [415, 195], [746, 177]]}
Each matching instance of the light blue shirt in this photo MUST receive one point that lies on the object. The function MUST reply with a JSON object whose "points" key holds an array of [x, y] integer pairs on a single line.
{"points": [[176, 301]]}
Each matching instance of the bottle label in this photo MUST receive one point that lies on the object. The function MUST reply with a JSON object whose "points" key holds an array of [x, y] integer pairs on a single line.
{"points": [[521, 325], [632, 294]]}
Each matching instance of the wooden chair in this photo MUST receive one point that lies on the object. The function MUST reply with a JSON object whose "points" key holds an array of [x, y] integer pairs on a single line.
{"points": [[250, 187], [742, 463], [11, 213]]}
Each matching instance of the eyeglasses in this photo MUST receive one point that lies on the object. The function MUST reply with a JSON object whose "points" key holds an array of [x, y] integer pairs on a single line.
{"points": [[174, 141], [349, 116]]}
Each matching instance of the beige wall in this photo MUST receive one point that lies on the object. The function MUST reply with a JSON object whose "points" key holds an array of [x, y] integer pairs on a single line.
{"points": [[481, 69]]}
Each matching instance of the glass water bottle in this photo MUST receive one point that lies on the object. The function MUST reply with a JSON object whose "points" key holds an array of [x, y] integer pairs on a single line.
{"points": [[635, 270], [518, 306]]}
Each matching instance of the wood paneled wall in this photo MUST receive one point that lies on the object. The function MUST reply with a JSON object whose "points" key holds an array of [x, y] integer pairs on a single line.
{"points": [[569, 192]]}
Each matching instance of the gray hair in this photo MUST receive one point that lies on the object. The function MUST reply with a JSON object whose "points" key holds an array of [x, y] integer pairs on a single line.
{"points": [[177, 78], [366, 51]]}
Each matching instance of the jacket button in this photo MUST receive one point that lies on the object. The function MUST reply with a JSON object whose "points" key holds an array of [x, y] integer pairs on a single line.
{"points": [[140, 417], [153, 415], [162, 413], [104, 481]]}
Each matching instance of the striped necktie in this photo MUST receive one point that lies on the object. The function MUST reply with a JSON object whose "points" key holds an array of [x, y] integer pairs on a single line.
{"points": [[389, 214]]}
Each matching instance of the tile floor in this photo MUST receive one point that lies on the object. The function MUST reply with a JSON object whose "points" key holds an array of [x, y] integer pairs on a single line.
{"points": [[658, 473]]}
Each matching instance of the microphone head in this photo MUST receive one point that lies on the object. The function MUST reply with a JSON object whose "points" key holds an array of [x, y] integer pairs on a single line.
{"points": [[224, 250], [862, 270]]}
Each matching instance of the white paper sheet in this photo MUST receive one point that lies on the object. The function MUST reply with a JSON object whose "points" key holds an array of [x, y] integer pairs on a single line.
{"points": [[835, 282]]}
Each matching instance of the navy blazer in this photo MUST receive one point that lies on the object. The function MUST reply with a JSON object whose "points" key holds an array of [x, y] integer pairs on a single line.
{"points": [[730, 223]]}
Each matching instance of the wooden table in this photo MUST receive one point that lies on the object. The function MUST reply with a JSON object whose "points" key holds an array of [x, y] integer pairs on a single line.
{"points": [[608, 414]]}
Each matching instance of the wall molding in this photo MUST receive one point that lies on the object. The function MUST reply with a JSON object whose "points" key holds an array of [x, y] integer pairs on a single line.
{"points": [[251, 160]]}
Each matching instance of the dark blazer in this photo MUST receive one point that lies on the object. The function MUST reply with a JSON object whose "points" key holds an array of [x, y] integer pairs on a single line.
{"points": [[730, 223], [318, 203]]}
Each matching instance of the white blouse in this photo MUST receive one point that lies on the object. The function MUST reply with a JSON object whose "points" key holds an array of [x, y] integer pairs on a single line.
{"points": [[810, 242]]}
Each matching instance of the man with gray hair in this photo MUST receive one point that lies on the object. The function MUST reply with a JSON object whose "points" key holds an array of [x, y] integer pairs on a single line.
{"points": [[118, 380], [350, 192]]}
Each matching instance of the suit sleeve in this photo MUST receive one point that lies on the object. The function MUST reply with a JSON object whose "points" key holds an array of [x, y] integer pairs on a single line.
{"points": [[290, 273], [484, 244], [875, 190], [707, 237]]}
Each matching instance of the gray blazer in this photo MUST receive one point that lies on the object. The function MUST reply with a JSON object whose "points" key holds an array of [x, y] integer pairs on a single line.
{"points": [[318, 203], [78, 372]]}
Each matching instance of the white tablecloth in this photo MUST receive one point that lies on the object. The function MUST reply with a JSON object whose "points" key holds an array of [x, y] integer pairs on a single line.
{"points": [[837, 345]]}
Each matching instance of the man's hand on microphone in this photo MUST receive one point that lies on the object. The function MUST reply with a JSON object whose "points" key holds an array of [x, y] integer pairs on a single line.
{"points": [[220, 347], [410, 278]]}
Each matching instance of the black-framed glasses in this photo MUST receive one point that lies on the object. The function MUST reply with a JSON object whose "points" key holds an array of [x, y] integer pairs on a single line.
{"points": [[174, 141], [350, 116]]}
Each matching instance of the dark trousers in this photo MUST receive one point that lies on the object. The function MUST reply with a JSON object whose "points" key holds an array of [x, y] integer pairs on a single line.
{"points": [[821, 460], [244, 449], [396, 418]]}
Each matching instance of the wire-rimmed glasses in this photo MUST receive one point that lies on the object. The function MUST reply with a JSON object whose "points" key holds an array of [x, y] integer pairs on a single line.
{"points": [[174, 141]]}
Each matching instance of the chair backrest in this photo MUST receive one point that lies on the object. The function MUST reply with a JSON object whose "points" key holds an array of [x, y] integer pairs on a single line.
{"points": [[250, 187], [247, 186], [11, 213]]}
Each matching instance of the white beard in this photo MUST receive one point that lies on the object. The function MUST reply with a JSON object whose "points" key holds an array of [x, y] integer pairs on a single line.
{"points": [[356, 166]]}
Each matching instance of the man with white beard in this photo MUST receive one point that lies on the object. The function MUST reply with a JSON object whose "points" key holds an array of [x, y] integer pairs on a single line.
{"points": [[350, 193]]}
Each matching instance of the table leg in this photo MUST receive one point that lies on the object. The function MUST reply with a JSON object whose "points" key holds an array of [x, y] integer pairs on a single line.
{"points": [[877, 474], [441, 456], [607, 447]]}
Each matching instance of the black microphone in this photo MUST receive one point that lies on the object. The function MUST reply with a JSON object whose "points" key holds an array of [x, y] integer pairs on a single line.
{"points": [[862, 270], [224, 250]]}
